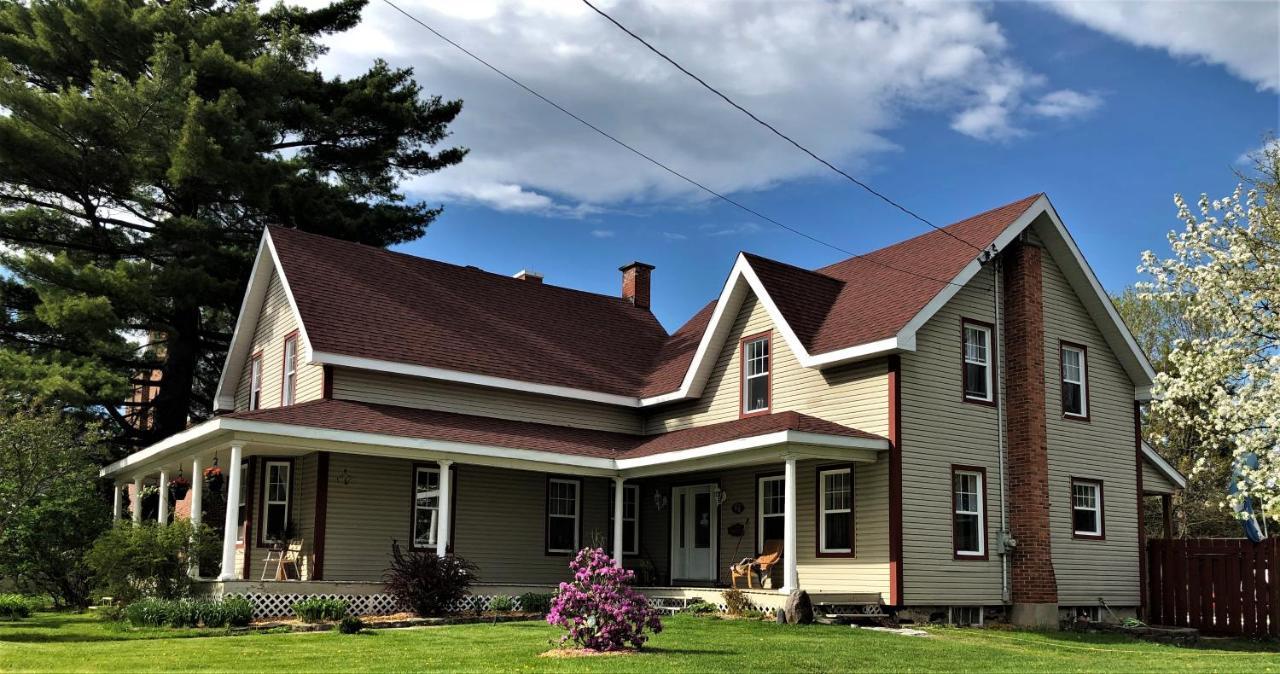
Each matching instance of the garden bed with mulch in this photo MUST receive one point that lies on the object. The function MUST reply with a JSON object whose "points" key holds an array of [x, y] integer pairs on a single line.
{"points": [[382, 622]]}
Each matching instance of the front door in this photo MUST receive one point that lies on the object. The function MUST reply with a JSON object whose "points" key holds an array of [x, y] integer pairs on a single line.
{"points": [[694, 523]]}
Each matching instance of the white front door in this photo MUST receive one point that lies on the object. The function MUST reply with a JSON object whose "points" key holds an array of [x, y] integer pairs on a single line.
{"points": [[694, 524]]}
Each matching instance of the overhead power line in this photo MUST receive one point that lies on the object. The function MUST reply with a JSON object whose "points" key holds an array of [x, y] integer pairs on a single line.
{"points": [[774, 129], [649, 158]]}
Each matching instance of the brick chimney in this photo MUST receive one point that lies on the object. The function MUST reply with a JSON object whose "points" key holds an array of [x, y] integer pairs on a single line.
{"points": [[528, 275], [635, 283], [1035, 586]]}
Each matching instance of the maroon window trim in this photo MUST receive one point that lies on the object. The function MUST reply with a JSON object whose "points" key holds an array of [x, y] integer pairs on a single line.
{"points": [[742, 375], [249, 501], [992, 350], [255, 399], [817, 511], [262, 503], [1084, 373], [285, 384], [1102, 509], [413, 503], [758, 533], [951, 512], [546, 516]]}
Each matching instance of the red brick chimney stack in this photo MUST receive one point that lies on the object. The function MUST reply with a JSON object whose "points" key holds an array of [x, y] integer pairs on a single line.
{"points": [[635, 283]]}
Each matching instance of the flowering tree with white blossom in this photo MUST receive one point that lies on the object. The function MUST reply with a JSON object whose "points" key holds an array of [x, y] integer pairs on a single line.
{"points": [[1224, 388]]}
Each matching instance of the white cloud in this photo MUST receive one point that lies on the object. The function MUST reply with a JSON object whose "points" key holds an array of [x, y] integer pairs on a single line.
{"points": [[1249, 158], [1066, 104], [735, 229], [603, 233], [674, 236], [837, 75], [1241, 35]]}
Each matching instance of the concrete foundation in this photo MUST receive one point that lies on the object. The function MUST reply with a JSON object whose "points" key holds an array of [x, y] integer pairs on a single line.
{"points": [[1034, 616]]}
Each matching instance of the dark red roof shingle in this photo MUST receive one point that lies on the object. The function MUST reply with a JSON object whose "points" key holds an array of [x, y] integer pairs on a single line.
{"points": [[358, 417]]}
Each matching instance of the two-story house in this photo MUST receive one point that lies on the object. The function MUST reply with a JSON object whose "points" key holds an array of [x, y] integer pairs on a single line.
{"points": [[949, 422]]}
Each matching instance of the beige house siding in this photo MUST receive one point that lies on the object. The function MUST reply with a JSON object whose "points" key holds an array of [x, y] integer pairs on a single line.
{"points": [[1154, 481], [854, 395], [302, 508], [276, 321], [389, 389], [1101, 449], [940, 430]]}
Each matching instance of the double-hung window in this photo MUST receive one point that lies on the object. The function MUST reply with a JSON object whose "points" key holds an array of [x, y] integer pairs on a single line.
{"points": [[563, 510], [1086, 509], [770, 509], [255, 382], [426, 506], [979, 380], [275, 501], [835, 511], [289, 390], [1075, 385], [755, 374], [968, 512], [630, 519]]}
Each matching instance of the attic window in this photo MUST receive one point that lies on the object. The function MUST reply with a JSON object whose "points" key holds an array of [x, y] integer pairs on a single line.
{"points": [[755, 374], [255, 382], [979, 384], [1075, 373], [290, 379]]}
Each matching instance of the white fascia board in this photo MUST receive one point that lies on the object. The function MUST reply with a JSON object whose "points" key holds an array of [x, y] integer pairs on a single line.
{"points": [[1136, 365], [357, 362], [1163, 466], [242, 336], [754, 442], [172, 444]]}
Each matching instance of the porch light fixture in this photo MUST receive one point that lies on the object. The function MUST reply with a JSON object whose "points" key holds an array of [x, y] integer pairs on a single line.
{"points": [[660, 500], [721, 496]]}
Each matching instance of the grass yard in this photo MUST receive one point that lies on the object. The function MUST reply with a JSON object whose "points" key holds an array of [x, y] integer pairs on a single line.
{"points": [[68, 642]]}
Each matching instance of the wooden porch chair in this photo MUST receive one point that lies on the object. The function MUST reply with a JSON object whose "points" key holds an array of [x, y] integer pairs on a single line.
{"points": [[283, 558], [761, 565]]}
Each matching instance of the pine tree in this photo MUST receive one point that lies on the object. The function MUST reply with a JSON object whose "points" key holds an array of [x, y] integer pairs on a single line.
{"points": [[143, 147]]}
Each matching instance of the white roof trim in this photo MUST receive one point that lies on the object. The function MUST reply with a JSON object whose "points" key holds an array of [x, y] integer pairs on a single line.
{"points": [[174, 445], [1166, 468]]}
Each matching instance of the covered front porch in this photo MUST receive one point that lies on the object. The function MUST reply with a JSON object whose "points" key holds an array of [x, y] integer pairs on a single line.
{"points": [[334, 500]]}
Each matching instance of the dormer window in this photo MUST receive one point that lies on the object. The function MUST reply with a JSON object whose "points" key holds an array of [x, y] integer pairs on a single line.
{"points": [[288, 393], [755, 374], [979, 378]]}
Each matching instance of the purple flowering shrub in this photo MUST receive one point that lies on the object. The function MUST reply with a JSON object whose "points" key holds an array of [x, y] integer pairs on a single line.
{"points": [[600, 608]]}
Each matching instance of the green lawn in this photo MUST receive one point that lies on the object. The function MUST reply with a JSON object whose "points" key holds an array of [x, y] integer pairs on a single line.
{"points": [[67, 642]]}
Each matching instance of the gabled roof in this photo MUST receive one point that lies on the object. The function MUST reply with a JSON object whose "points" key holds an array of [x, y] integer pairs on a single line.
{"points": [[369, 308], [1151, 456]]}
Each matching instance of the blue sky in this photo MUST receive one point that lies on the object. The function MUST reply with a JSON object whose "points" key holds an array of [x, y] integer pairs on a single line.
{"points": [[1145, 122]]}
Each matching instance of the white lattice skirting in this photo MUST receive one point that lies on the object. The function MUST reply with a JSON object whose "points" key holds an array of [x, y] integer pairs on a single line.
{"points": [[275, 605]]}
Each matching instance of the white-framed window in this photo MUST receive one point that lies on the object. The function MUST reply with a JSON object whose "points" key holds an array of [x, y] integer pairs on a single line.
{"points": [[242, 512], [968, 529], [1075, 372], [630, 519], [426, 506], [755, 374], [770, 509], [979, 383], [563, 510], [255, 382], [1086, 508], [290, 387], [275, 500], [835, 516]]}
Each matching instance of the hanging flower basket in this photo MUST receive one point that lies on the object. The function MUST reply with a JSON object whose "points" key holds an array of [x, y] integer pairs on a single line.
{"points": [[150, 501], [178, 488], [214, 479]]}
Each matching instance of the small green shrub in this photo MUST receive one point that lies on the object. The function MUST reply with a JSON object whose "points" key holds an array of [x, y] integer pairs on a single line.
{"points": [[238, 611], [701, 608], [112, 613], [735, 602], [151, 560], [210, 613], [535, 602], [14, 607], [149, 612], [502, 603], [320, 609], [184, 613], [350, 625]]}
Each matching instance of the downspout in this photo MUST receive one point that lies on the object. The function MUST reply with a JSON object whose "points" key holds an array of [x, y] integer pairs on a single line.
{"points": [[1003, 542]]}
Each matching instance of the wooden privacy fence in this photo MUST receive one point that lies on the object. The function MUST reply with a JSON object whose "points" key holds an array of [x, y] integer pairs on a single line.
{"points": [[1216, 585]]}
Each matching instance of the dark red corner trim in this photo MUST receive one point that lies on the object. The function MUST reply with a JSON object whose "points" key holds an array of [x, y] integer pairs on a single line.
{"points": [[284, 357], [1142, 524], [895, 480], [252, 465], [321, 516], [327, 388]]}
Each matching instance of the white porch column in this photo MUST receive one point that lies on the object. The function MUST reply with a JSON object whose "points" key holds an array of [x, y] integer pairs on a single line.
{"points": [[197, 493], [163, 516], [617, 521], [790, 579], [446, 508], [117, 502], [232, 522], [137, 500]]}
